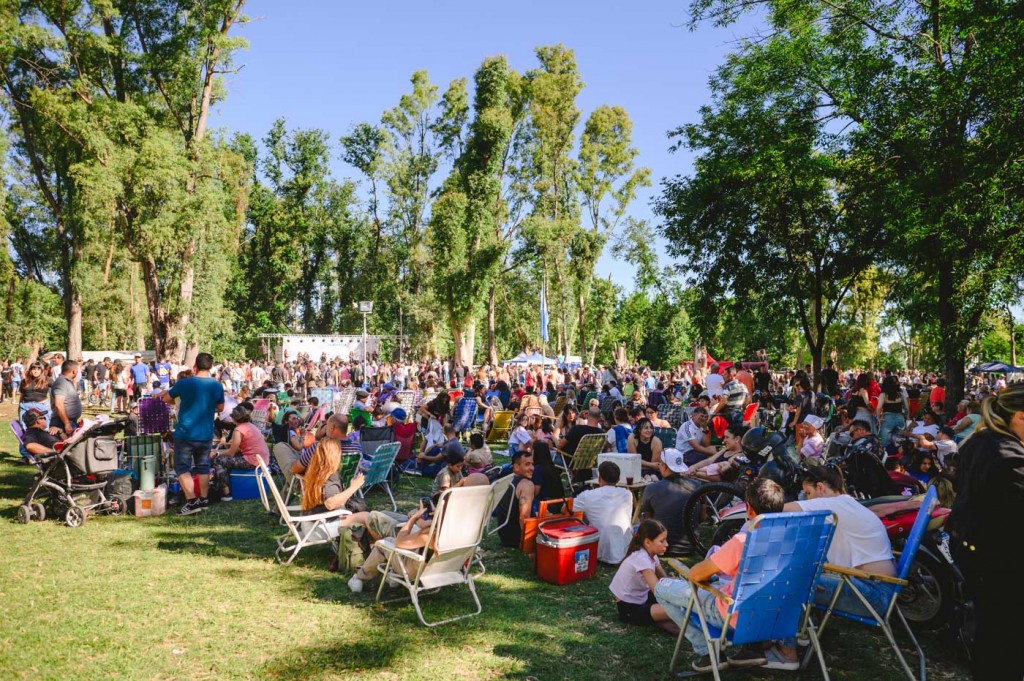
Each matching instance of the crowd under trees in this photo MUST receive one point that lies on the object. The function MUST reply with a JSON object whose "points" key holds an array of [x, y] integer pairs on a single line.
{"points": [[858, 183]]}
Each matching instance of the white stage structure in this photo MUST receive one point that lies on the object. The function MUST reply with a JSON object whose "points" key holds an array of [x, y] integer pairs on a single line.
{"points": [[290, 346]]}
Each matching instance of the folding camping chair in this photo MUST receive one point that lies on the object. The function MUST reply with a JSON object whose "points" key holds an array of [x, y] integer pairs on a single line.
{"points": [[379, 472], [848, 578], [19, 433], [667, 437], [303, 530], [455, 535], [585, 457], [500, 487], [324, 396], [592, 395], [465, 415], [673, 413], [408, 401], [154, 416], [783, 555], [343, 400], [500, 426], [608, 406], [559, 406]]}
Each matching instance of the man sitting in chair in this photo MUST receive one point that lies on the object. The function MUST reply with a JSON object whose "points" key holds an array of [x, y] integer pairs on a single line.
{"points": [[521, 496], [413, 537], [763, 496], [37, 437]]}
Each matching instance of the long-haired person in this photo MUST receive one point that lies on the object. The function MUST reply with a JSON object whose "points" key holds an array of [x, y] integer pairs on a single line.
{"points": [[989, 505], [35, 391]]}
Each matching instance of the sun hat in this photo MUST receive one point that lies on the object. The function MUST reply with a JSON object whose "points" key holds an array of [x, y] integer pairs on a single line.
{"points": [[814, 421]]}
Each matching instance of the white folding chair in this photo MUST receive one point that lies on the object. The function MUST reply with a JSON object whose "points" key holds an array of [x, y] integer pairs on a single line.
{"points": [[461, 519], [303, 530], [500, 488]]}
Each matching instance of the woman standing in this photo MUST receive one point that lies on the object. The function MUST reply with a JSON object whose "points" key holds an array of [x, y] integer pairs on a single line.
{"points": [[35, 391], [989, 504], [119, 377], [892, 410]]}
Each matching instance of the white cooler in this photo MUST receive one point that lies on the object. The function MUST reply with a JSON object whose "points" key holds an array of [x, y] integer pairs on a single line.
{"points": [[629, 464]]}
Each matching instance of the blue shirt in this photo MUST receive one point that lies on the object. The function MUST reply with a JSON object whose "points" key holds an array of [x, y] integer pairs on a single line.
{"points": [[198, 400], [139, 372], [163, 372]]}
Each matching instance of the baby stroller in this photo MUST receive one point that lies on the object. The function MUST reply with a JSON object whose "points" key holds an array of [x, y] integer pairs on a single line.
{"points": [[72, 482]]}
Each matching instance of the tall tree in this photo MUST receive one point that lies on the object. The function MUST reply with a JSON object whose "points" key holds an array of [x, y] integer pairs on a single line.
{"points": [[929, 98], [462, 227]]}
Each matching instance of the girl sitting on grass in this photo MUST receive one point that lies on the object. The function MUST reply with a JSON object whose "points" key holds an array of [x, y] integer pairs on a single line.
{"points": [[634, 582]]}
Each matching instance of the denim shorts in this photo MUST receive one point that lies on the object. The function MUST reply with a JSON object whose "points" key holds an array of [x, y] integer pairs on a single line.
{"points": [[192, 456]]}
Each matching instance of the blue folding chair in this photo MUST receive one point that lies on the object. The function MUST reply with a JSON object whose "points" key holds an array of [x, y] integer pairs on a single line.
{"points": [[380, 469], [465, 415], [894, 585], [783, 555]]}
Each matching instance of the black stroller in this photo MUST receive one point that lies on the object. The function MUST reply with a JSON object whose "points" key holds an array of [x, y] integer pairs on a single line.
{"points": [[75, 481]]}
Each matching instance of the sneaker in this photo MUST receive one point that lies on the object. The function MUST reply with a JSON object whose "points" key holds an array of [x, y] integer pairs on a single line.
{"points": [[189, 507], [204, 502], [355, 584], [703, 664], [227, 498], [746, 657], [774, 660]]}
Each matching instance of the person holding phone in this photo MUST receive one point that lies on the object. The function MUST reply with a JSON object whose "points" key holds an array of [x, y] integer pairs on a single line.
{"points": [[413, 536]]}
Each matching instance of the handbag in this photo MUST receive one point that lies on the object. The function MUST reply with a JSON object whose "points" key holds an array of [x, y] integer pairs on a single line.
{"points": [[563, 509]]}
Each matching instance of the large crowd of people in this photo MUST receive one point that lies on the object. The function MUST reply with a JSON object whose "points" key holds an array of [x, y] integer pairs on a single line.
{"points": [[899, 417]]}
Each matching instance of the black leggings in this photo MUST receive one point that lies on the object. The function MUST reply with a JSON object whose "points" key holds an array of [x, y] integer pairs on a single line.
{"points": [[998, 602]]}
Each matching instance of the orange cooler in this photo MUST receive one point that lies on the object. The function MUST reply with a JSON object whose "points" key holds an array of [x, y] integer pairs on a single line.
{"points": [[566, 550]]}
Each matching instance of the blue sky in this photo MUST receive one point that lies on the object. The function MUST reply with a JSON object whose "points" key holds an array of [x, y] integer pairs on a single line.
{"points": [[332, 64]]}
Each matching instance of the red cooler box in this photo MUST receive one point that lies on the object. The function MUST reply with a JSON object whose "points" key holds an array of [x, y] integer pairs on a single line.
{"points": [[566, 550]]}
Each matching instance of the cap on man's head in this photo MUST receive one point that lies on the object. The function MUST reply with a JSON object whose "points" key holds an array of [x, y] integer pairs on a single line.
{"points": [[398, 415], [30, 417], [362, 394], [673, 459]]}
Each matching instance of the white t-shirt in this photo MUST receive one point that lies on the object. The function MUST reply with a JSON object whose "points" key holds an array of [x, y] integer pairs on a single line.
{"points": [[628, 584], [520, 437], [609, 509], [714, 383], [944, 448], [860, 536], [932, 430]]}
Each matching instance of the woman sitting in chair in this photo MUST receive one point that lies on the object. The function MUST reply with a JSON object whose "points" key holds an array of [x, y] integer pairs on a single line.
{"points": [[322, 489]]}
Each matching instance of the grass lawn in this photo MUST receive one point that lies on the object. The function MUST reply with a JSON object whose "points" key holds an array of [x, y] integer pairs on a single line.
{"points": [[201, 597]]}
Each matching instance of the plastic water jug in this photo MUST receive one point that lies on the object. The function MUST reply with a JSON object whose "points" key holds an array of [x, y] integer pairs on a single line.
{"points": [[147, 472]]}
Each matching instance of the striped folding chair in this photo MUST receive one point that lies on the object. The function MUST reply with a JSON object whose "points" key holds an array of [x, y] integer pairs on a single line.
{"points": [[500, 427], [783, 555], [667, 437], [673, 413], [465, 415], [379, 472], [408, 400], [585, 457]]}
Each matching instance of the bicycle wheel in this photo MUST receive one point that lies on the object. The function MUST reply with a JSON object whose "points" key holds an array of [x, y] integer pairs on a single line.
{"points": [[703, 512]]}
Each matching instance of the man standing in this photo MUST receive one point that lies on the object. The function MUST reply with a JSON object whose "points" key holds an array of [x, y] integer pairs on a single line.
{"points": [[17, 373], [163, 373], [200, 399], [736, 396], [140, 378], [714, 382], [67, 405], [829, 378]]}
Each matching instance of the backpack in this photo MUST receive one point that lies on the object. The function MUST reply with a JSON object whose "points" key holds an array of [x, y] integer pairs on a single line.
{"points": [[350, 552]]}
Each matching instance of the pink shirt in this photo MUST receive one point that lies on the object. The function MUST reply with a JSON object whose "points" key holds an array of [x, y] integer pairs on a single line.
{"points": [[629, 584], [253, 444]]}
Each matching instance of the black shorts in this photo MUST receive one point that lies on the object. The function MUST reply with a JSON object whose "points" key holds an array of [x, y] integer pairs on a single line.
{"points": [[137, 391], [630, 613], [120, 392]]}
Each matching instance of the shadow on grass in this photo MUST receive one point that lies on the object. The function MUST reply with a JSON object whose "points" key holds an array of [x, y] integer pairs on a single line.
{"points": [[331, 658]]}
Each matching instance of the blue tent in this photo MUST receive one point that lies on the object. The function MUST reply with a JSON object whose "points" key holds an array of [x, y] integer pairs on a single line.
{"points": [[997, 367]]}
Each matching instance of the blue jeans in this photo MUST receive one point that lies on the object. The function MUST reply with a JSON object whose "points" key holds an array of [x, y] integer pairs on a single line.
{"points": [[891, 423], [192, 455], [41, 406], [878, 595], [674, 596]]}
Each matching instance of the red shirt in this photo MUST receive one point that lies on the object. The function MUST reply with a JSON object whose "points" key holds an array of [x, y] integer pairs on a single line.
{"points": [[937, 395]]}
